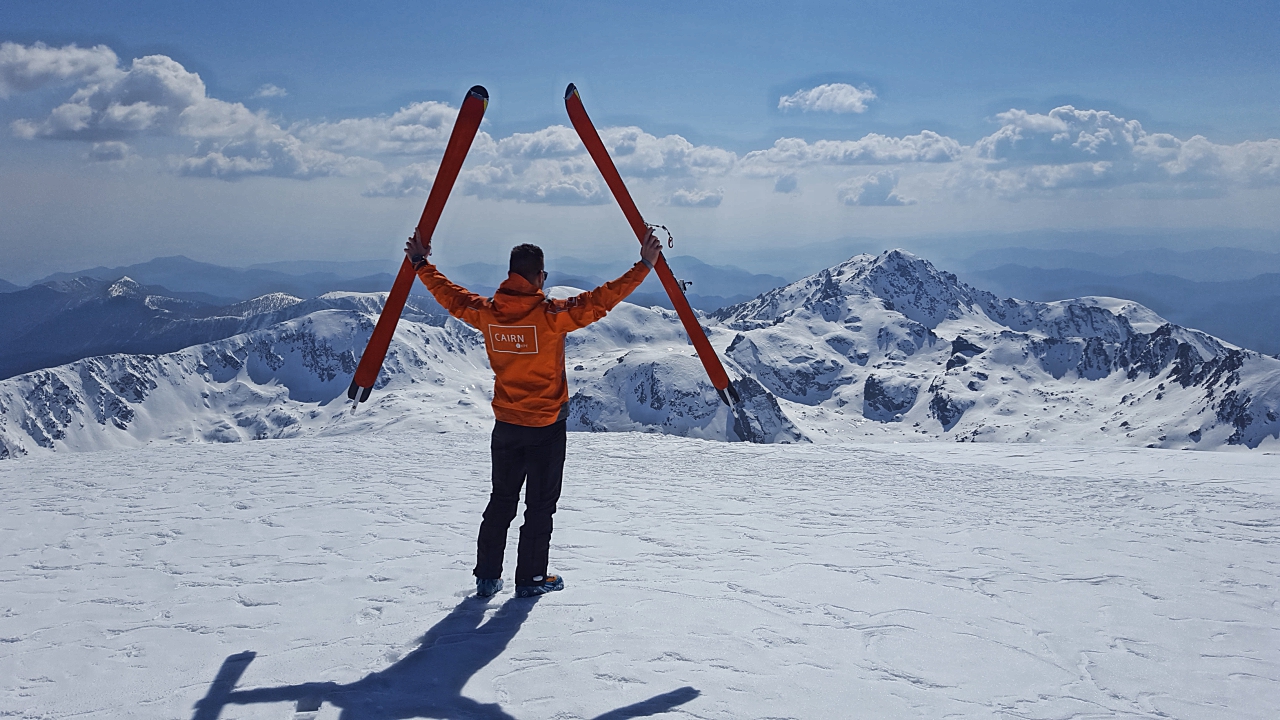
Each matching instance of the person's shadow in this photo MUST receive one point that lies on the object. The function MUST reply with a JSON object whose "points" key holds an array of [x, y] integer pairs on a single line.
{"points": [[426, 683]]}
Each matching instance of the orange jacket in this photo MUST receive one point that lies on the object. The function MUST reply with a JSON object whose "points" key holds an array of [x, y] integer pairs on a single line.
{"points": [[524, 336]]}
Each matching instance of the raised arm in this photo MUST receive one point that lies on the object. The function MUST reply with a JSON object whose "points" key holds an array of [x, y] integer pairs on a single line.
{"points": [[582, 310], [456, 300]]}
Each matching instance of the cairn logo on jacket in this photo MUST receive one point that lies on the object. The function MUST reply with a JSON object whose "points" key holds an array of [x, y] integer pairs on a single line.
{"points": [[515, 339]]}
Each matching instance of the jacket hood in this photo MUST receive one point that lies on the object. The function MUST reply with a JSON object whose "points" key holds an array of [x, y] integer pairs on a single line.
{"points": [[516, 297]]}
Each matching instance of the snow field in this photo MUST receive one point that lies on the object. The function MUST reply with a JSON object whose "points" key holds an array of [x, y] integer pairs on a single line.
{"points": [[712, 580]]}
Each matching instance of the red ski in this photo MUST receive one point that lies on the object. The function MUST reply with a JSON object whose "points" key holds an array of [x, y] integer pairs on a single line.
{"points": [[591, 139], [464, 131]]}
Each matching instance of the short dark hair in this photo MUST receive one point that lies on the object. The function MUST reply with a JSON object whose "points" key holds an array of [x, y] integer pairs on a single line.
{"points": [[526, 261]]}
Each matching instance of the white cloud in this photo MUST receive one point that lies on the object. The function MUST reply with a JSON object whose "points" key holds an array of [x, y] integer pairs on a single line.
{"points": [[832, 97], [566, 181], [29, 67], [550, 142], [418, 129], [640, 154], [158, 96], [270, 91], [695, 198], [875, 189], [788, 154], [1070, 148], [113, 106], [109, 151], [149, 97], [1256, 161], [412, 179], [281, 156], [551, 165]]}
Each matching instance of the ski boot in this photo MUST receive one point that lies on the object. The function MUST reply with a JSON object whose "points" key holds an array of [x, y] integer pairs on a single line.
{"points": [[541, 586], [488, 587]]}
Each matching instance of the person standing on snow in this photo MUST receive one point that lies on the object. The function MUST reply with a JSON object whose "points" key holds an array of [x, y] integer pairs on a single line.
{"points": [[524, 335]]}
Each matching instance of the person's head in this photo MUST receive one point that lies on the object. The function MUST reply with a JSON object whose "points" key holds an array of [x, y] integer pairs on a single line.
{"points": [[526, 261]]}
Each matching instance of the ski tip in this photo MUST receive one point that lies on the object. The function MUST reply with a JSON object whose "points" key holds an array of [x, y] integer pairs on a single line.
{"points": [[570, 91], [352, 390], [480, 92]]}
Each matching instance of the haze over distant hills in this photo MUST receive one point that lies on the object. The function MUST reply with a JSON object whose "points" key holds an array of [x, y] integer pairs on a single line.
{"points": [[1233, 293], [880, 347], [136, 308], [1213, 265], [1244, 312], [226, 284], [67, 320], [711, 286]]}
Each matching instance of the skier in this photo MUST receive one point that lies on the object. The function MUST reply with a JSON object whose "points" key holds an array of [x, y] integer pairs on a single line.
{"points": [[524, 336]]}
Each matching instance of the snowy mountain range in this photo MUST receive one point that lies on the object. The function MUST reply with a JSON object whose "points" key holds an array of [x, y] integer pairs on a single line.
{"points": [[878, 348], [1245, 312], [222, 285], [62, 321], [133, 309]]}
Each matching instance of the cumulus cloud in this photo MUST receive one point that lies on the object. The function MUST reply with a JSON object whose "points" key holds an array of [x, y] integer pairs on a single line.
{"points": [[418, 129], [640, 154], [29, 67], [113, 106], [832, 97], [156, 95], [270, 91], [279, 156], [566, 181], [556, 141], [695, 198], [551, 165], [148, 97], [1069, 148], [110, 151], [412, 179], [788, 154], [875, 189]]}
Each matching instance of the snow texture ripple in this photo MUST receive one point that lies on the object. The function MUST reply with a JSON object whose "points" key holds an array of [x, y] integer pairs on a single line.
{"points": [[330, 578]]}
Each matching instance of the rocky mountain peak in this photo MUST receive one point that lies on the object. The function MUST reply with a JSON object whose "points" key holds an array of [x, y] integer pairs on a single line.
{"points": [[270, 302], [912, 286], [126, 287], [899, 280]]}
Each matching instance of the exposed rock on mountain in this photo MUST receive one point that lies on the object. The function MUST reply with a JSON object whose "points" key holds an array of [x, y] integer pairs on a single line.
{"points": [[63, 321], [877, 348], [904, 343]]}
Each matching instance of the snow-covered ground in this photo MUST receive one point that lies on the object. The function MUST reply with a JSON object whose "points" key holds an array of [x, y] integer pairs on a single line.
{"points": [[706, 579]]}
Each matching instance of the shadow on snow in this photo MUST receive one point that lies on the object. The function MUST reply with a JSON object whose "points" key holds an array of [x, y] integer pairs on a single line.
{"points": [[426, 683]]}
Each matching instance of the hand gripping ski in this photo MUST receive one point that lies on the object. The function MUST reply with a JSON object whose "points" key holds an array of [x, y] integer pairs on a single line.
{"points": [[464, 131], [591, 139]]}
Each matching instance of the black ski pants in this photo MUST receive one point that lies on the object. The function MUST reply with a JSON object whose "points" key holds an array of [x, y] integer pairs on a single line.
{"points": [[520, 454]]}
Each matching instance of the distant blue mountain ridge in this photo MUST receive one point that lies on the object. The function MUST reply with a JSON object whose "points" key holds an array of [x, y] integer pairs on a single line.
{"points": [[1242, 312], [228, 285], [172, 302], [1219, 264]]}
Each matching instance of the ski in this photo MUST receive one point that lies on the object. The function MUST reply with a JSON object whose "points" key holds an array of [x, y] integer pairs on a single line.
{"points": [[464, 131], [595, 146]]}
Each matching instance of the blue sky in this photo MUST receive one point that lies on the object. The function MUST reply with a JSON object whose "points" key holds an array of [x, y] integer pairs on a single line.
{"points": [[765, 124]]}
